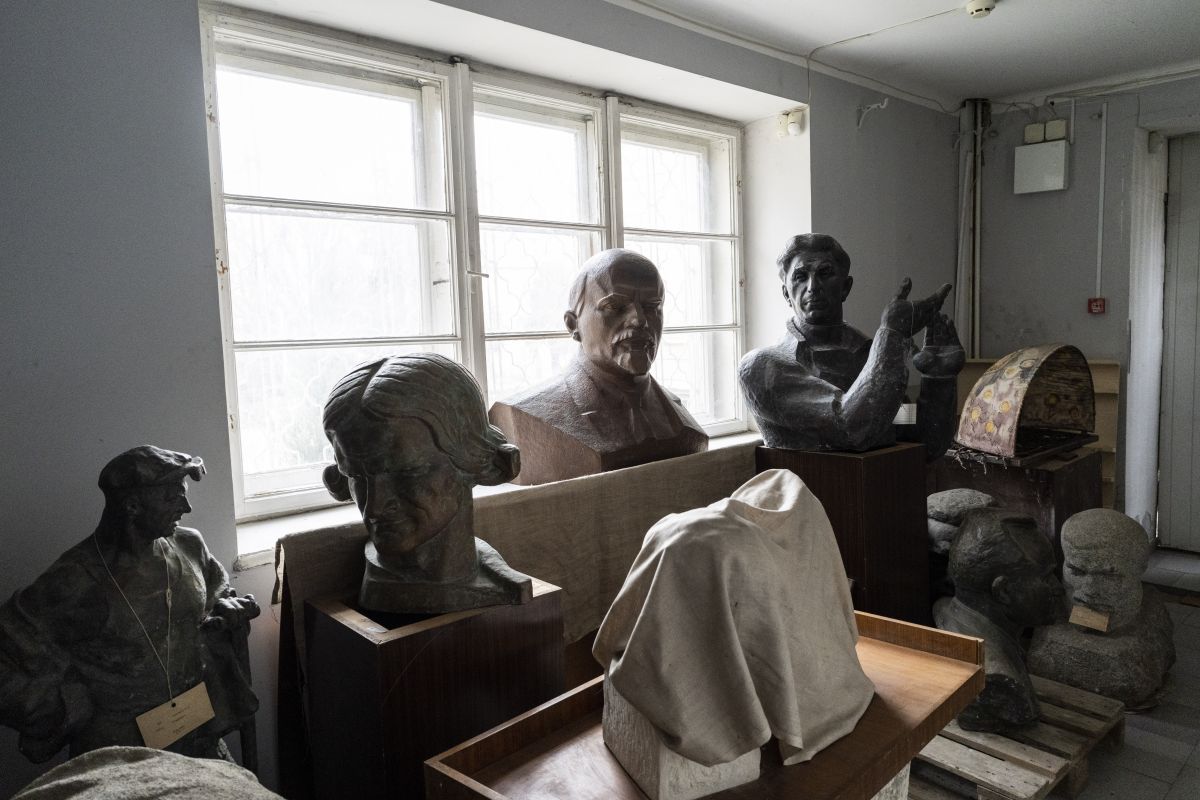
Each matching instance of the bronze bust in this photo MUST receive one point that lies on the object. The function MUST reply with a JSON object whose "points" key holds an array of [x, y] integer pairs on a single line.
{"points": [[827, 386], [411, 438], [605, 411]]}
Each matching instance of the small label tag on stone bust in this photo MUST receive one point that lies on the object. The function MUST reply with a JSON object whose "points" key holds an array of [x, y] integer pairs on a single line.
{"points": [[906, 415], [164, 725], [1089, 618]]}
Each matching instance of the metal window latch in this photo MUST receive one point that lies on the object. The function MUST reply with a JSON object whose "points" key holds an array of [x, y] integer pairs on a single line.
{"points": [[478, 274]]}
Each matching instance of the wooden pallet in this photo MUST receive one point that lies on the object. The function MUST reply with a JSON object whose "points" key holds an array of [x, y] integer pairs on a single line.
{"points": [[1052, 756]]}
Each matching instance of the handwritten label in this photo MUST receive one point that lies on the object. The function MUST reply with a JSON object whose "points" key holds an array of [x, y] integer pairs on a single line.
{"points": [[164, 725], [1089, 618]]}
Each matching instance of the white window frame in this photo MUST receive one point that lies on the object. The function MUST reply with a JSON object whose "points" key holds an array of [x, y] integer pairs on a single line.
{"points": [[299, 44]]}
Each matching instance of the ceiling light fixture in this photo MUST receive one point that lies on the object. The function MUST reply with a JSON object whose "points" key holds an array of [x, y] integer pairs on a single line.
{"points": [[978, 9]]}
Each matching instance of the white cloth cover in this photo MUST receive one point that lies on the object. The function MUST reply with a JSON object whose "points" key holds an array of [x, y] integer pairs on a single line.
{"points": [[139, 773], [735, 623]]}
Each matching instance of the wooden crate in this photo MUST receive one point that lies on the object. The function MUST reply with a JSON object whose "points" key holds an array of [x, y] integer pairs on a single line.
{"points": [[1051, 756], [923, 677]]}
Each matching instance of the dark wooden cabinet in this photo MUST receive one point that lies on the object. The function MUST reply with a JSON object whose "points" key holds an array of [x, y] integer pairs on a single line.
{"points": [[876, 504], [383, 697]]}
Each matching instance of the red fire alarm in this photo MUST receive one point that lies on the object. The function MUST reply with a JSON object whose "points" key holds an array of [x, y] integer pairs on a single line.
{"points": [[1095, 305]]}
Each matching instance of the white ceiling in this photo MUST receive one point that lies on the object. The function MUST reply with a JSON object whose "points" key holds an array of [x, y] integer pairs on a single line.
{"points": [[1024, 50], [930, 50]]}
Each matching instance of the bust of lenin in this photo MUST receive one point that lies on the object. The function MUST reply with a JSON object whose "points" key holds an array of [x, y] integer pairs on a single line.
{"points": [[605, 411]]}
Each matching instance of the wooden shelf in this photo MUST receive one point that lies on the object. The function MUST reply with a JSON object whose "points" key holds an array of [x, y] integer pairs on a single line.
{"points": [[923, 677]]}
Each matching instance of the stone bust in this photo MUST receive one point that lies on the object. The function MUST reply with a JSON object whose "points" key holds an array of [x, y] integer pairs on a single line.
{"points": [[1003, 571], [1126, 648], [410, 439], [828, 386], [605, 411], [133, 616]]}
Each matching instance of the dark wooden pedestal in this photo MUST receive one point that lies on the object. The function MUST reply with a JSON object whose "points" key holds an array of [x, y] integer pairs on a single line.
{"points": [[1050, 492], [387, 693], [876, 504]]}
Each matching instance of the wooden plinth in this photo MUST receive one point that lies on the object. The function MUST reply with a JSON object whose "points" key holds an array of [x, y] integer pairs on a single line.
{"points": [[876, 504], [923, 677], [389, 692], [1049, 492]]}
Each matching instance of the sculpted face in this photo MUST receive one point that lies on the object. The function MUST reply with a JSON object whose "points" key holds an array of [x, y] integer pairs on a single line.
{"points": [[816, 287], [407, 490], [1030, 593], [1104, 585], [621, 320], [156, 510]]}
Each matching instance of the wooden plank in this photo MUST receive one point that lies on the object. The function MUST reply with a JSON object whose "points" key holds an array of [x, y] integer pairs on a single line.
{"points": [[1067, 744], [1073, 721], [985, 771], [1085, 702], [920, 637], [920, 789], [1014, 752]]}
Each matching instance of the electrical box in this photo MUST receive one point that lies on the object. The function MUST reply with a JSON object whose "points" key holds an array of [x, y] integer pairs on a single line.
{"points": [[1040, 167], [1056, 129], [1035, 133]]}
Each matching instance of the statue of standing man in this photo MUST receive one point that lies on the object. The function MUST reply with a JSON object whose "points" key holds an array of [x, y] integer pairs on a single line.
{"points": [[827, 386], [137, 618]]}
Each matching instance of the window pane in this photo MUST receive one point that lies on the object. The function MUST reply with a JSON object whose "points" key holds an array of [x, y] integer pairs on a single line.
{"points": [[675, 182], [533, 165], [310, 136], [516, 365], [281, 394], [298, 275], [530, 271], [698, 277], [701, 368]]}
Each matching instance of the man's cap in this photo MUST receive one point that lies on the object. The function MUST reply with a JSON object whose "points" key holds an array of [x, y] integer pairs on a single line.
{"points": [[148, 466]]}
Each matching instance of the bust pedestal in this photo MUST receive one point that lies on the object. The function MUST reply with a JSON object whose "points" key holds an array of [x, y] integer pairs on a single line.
{"points": [[387, 691], [876, 505]]}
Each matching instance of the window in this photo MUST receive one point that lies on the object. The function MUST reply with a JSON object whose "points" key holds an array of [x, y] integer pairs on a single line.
{"points": [[368, 203]]}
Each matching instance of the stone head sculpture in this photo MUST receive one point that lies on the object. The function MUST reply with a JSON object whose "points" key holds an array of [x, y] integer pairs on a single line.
{"points": [[1003, 566], [815, 272], [615, 312], [410, 438], [145, 490], [1104, 556], [1003, 573]]}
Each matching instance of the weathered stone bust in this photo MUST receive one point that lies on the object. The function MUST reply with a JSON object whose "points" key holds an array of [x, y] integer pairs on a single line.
{"points": [[826, 385], [1122, 644], [605, 411], [1003, 571], [133, 616], [411, 438]]}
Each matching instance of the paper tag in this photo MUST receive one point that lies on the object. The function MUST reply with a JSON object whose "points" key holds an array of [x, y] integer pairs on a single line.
{"points": [[1089, 618], [164, 725]]}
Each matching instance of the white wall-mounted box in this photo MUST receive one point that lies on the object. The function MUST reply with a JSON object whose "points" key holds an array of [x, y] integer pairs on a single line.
{"points": [[1040, 167]]}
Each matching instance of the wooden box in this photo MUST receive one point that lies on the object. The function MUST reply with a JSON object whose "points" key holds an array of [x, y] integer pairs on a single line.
{"points": [[923, 677], [1049, 492], [876, 504], [387, 693]]}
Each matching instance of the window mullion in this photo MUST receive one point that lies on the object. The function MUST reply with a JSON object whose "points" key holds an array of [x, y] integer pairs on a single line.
{"points": [[610, 165], [466, 232]]}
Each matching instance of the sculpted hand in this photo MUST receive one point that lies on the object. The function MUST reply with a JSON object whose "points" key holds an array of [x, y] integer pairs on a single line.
{"points": [[232, 612], [909, 317], [942, 356]]}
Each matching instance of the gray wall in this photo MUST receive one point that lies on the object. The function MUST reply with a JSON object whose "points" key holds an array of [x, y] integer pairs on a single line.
{"points": [[1039, 250], [110, 324], [110, 321]]}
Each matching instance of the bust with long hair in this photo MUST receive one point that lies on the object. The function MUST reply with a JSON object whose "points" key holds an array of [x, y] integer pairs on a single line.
{"points": [[411, 437]]}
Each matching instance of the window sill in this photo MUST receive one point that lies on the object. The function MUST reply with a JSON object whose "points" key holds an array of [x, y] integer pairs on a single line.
{"points": [[257, 539]]}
